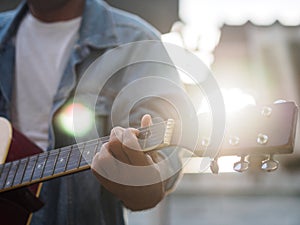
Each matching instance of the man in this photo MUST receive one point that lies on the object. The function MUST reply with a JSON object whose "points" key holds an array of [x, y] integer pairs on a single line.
{"points": [[45, 47]]}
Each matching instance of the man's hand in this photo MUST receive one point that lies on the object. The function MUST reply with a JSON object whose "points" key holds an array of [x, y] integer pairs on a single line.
{"points": [[123, 147]]}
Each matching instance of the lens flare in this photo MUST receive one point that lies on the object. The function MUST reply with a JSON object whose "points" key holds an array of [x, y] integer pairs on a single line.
{"points": [[235, 99], [84, 119]]}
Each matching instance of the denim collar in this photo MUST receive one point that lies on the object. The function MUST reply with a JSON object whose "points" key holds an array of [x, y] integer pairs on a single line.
{"points": [[10, 24], [92, 32]]}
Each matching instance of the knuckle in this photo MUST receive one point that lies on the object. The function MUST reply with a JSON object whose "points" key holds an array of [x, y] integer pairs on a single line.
{"points": [[116, 133]]}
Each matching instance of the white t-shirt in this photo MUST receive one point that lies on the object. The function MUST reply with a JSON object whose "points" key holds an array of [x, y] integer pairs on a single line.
{"points": [[42, 51]]}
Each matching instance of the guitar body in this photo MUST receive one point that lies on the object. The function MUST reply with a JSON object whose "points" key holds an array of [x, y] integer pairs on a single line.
{"points": [[17, 205]]}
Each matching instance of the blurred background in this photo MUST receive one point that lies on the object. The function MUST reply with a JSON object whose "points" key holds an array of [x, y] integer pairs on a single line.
{"points": [[253, 49]]}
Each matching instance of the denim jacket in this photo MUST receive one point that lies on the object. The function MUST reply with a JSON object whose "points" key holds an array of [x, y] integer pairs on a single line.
{"points": [[79, 198]]}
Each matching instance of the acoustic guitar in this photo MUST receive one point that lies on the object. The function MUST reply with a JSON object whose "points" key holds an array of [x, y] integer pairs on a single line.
{"points": [[265, 130]]}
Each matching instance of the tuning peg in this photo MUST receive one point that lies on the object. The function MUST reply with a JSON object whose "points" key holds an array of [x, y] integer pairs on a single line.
{"points": [[269, 164], [242, 165], [266, 111], [214, 167]]}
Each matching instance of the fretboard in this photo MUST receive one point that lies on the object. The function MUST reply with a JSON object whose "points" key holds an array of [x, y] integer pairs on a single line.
{"points": [[66, 160], [48, 165]]}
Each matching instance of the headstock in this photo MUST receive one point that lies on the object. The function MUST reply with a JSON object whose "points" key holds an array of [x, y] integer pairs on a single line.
{"points": [[253, 131], [258, 130]]}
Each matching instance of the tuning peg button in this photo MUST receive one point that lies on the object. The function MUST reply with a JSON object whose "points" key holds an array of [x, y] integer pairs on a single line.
{"points": [[241, 166], [214, 166], [266, 111], [269, 164]]}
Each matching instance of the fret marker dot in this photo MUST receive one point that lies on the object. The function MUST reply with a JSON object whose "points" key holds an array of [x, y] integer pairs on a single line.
{"points": [[234, 140], [61, 160], [7, 183], [88, 152], [39, 166]]}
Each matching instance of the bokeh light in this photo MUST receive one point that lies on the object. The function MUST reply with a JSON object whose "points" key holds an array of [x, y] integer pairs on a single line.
{"points": [[84, 119], [235, 99]]}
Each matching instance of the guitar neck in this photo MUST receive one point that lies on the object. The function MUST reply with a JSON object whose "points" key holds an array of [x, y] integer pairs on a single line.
{"points": [[67, 160], [48, 165]]}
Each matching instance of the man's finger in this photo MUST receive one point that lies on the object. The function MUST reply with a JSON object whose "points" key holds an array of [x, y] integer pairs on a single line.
{"points": [[103, 162], [115, 144], [146, 121], [132, 149]]}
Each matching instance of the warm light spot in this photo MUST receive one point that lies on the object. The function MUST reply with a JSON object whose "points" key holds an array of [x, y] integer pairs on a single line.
{"points": [[76, 119], [226, 163], [234, 99]]}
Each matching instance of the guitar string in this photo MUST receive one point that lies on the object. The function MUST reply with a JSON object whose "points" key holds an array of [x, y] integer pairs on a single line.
{"points": [[55, 161], [35, 162], [86, 145], [68, 158], [67, 149], [59, 151], [4, 182], [91, 143]]}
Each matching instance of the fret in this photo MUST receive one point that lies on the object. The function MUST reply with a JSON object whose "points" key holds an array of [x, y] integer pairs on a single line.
{"points": [[4, 174], [49, 164], [83, 162], [10, 175], [73, 158], [68, 158], [40, 164], [55, 161], [25, 166], [144, 139], [86, 155], [20, 171], [62, 160], [37, 157], [44, 166], [16, 170], [1, 168], [90, 152], [80, 155], [29, 169]]}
